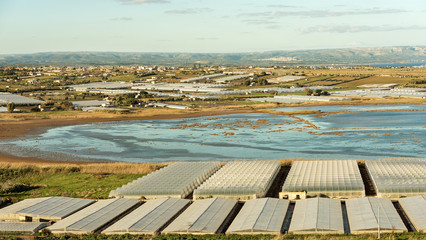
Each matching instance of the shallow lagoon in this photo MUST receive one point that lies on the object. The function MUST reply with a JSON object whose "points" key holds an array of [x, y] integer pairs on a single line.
{"points": [[360, 135]]}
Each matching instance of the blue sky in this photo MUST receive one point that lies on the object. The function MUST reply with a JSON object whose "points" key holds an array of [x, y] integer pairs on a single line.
{"points": [[28, 26]]}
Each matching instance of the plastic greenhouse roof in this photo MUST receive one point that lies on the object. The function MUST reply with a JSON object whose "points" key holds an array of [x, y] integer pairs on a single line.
{"points": [[94, 217], [363, 215], [176, 180], [415, 208], [335, 177], [396, 178], [22, 227], [203, 217], [17, 99], [240, 178], [317, 215], [149, 218], [48, 208], [260, 215]]}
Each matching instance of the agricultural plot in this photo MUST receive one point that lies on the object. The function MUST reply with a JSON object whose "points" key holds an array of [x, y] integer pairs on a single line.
{"points": [[260, 216], [395, 179], [43, 209], [415, 208], [149, 218], [22, 227], [370, 214], [206, 216], [177, 180], [241, 180], [317, 216], [94, 217], [334, 178], [6, 98]]}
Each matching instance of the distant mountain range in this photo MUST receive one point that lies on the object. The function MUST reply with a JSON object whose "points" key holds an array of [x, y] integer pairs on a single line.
{"points": [[346, 56]]}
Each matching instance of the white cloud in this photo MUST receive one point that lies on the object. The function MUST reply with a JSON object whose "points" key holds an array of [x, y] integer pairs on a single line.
{"points": [[142, 1], [328, 13], [355, 29]]}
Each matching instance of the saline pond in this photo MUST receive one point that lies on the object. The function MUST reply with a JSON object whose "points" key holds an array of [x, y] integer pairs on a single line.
{"points": [[355, 132]]}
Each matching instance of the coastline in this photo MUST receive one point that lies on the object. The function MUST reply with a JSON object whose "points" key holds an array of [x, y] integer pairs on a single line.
{"points": [[14, 126]]}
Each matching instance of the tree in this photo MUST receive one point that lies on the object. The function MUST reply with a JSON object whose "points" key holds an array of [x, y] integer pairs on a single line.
{"points": [[10, 107]]}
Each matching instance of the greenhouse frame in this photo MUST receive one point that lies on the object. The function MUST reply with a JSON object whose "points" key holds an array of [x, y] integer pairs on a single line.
{"points": [[334, 178], [22, 227], [94, 217], [260, 216], [149, 218], [207, 216], [317, 216], [43, 209], [398, 178], [365, 215], [177, 180], [240, 180], [415, 209]]}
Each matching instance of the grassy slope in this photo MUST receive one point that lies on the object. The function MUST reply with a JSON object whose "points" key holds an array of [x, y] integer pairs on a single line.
{"points": [[19, 184]]}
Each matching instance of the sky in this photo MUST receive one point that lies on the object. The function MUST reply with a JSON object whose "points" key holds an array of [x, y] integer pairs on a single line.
{"points": [[219, 26]]}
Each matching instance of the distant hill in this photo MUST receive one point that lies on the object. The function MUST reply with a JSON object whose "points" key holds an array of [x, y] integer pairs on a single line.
{"points": [[346, 56]]}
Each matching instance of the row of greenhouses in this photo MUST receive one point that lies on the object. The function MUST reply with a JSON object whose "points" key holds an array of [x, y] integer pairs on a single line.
{"points": [[176, 180], [241, 180], [220, 215], [244, 180]]}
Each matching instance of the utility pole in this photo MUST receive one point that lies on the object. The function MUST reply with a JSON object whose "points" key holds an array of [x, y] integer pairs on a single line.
{"points": [[378, 223]]}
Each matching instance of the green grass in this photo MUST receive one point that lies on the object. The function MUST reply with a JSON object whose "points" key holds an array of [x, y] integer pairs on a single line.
{"points": [[19, 184]]}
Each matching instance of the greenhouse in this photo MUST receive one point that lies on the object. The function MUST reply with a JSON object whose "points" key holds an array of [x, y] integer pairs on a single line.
{"points": [[260, 216], [398, 178], [317, 216], [335, 179], [149, 218], [94, 217], [177, 180], [240, 180], [365, 215], [22, 227], [43, 209], [415, 209], [206, 216]]}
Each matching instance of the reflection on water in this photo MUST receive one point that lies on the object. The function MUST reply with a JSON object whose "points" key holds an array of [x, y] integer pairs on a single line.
{"points": [[242, 136]]}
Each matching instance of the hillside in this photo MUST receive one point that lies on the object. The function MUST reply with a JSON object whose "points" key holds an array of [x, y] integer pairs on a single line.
{"points": [[362, 56]]}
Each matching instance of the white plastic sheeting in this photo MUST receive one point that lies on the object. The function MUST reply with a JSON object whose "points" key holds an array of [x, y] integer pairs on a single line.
{"points": [[6, 98], [206, 216], [177, 180], [317, 215], [47, 208], [94, 217], [263, 215], [365, 215], [335, 178], [241, 180], [398, 178], [415, 208], [149, 218], [21, 227]]}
